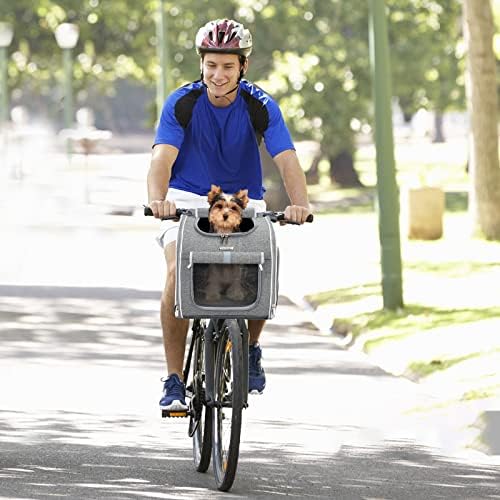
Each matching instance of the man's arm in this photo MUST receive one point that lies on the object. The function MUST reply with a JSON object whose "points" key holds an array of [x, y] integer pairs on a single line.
{"points": [[162, 159], [294, 180]]}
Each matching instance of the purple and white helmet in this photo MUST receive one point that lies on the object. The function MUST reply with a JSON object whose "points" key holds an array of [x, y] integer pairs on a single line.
{"points": [[224, 36]]}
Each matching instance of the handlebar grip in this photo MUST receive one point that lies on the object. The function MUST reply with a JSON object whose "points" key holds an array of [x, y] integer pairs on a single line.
{"points": [[281, 218], [178, 213]]}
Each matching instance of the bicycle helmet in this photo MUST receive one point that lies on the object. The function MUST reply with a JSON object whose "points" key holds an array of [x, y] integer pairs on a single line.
{"points": [[225, 36]]}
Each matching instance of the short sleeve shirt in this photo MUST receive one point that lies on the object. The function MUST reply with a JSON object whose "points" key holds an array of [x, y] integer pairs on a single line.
{"points": [[219, 145]]}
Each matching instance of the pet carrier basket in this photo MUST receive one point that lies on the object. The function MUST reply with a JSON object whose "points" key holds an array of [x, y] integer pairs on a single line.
{"points": [[226, 276]]}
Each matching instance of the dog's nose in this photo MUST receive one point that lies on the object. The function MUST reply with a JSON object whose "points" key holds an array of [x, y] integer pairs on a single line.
{"points": [[225, 216]]}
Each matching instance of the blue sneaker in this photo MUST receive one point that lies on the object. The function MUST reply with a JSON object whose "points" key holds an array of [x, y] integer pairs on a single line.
{"points": [[256, 374], [174, 394]]}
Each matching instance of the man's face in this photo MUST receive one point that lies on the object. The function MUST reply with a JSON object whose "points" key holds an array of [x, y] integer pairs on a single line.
{"points": [[220, 72]]}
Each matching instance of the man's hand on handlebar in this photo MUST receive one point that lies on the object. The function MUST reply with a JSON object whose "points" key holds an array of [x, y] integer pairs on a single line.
{"points": [[297, 214], [162, 208]]}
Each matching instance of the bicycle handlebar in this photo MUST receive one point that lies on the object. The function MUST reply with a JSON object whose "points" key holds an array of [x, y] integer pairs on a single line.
{"points": [[178, 213], [273, 216], [280, 217]]}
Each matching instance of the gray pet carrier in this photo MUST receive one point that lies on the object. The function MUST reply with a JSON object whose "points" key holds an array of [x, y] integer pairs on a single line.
{"points": [[226, 276]]}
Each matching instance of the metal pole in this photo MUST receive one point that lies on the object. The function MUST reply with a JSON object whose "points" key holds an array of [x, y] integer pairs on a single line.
{"points": [[68, 88], [4, 95], [388, 192], [162, 51]]}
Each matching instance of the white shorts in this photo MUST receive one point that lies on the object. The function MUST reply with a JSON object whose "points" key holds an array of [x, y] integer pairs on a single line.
{"points": [[185, 199]]}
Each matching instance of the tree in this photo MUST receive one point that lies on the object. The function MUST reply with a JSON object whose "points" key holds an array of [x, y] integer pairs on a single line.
{"points": [[482, 102], [427, 60], [117, 41], [320, 74], [312, 55]]}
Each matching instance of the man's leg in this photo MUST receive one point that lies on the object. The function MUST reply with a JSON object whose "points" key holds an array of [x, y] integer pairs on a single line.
{"points": [[256, 374], [174, 329], [255, 327]]}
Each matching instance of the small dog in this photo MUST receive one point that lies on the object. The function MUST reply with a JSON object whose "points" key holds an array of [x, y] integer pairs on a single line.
{"points": [[226, 210], [225, 282]]}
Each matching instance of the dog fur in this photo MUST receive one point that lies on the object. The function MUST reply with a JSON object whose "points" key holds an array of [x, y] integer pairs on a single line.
{"points": [[225, 216]]}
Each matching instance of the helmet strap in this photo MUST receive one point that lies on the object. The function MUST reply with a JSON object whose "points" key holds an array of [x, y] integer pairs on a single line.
{"points": [[219, 96]]}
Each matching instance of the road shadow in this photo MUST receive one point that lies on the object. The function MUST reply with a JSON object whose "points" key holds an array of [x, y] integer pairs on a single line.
{"points": [[78, 455], [104, 325], [72, 323]]}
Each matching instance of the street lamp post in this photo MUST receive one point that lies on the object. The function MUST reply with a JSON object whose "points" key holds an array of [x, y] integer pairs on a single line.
{"points": [[67, 37], [162, 50], [6, 34]]}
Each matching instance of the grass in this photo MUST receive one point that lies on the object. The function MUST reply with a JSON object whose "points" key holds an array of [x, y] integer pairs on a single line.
{"points": [[420, 163], [484, 393], [451, 319], [450, 286], [451, 269], [420, 369]]}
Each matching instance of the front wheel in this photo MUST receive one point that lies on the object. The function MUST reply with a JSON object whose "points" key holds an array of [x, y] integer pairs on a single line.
{"points": [[229, 401]]}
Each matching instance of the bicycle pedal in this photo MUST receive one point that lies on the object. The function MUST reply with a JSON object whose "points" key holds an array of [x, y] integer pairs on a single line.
{"points": [[174, 413]]}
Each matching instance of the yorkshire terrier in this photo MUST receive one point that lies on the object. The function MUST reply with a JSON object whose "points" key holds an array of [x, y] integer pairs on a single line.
{"points": [[225, 282], [225, 213]]}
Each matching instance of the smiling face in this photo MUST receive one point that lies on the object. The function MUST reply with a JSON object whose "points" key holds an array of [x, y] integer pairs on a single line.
{"points": [[220, 74]]}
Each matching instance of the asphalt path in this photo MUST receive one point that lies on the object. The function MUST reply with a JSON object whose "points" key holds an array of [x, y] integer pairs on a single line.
{"points": [[81, 360], [80, 370]]}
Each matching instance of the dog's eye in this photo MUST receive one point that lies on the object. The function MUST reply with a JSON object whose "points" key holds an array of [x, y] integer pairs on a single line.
{"points": [[219, 206], [234, 208]]}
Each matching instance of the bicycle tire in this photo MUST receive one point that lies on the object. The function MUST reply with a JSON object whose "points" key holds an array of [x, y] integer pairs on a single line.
{"points": [[201, 415], [229, 398]]}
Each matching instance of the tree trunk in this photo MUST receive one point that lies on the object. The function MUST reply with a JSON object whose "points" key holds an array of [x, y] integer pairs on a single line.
{"points": [[438, 128], [482, 102], [275, 196], [342, 170], [312, 175]]}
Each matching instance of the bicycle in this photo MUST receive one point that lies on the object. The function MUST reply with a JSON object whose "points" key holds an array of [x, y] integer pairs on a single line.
{"points": [[216, 368]]}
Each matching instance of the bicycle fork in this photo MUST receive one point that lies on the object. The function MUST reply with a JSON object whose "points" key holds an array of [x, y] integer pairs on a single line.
{"points": [[211, 337]]}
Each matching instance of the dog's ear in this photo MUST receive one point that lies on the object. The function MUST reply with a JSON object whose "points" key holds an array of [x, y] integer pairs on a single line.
{"points": [[242, 195], [213, 193]]}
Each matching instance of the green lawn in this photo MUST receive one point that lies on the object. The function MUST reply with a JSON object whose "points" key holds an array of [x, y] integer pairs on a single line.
{"points": [[450, 324]]}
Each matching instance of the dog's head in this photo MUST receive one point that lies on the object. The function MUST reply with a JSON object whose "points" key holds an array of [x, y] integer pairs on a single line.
{"points": [[225, 210]]}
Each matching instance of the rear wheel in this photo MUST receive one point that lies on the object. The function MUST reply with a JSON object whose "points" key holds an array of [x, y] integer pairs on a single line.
{"points": [[229, 401], [200, 425]]}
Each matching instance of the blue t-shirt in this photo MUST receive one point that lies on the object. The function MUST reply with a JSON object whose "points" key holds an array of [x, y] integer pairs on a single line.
{"points": [[219, 145]]}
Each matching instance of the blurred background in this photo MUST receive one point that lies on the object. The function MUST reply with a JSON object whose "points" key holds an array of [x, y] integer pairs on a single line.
{"points": [[82, 85], [312, 56]]}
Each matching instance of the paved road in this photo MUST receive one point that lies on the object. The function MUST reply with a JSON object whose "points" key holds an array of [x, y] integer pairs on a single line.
{"points": [[81, 361], [80, 370]]}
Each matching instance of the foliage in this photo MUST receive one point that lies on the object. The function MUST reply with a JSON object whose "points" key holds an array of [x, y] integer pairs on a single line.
{"points": [[117, 40], [311, 54], [427, 54], [321, 73]]}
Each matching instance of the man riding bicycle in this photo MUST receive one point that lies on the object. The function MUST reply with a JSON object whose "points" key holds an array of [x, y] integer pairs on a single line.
{"points": [[209, 133]]}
